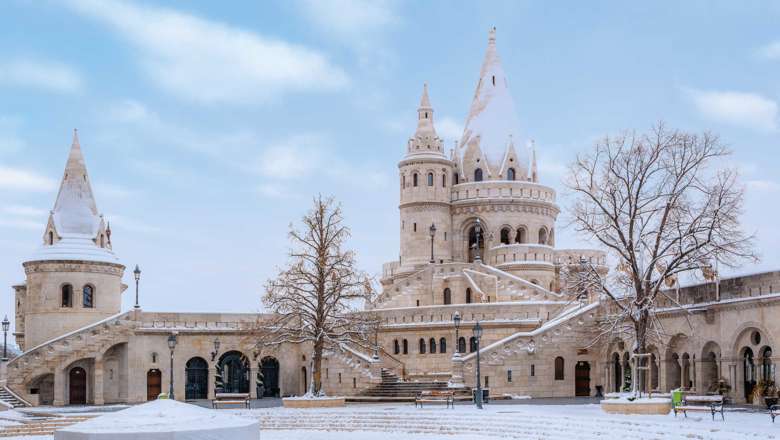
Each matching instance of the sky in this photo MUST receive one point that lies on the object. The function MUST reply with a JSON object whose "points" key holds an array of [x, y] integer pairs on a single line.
{"points": [[208, 127]]}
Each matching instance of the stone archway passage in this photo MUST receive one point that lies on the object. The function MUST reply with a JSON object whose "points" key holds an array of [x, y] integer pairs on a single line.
{"points": [[270, 369], [233, 373], [77, 380], [582, 379], [196, 379], [153, 384]]}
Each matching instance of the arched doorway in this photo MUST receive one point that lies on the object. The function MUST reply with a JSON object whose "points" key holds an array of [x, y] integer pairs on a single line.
{"points": [[749, 372], [196, 379], [480, 247], [270, 376], [77, 386], [582, 379], [617, 372], [304, 380], [232, 373], [153, 384]]}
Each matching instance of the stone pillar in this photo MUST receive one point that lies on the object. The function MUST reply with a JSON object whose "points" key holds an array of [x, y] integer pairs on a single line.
{"points": [[211, 382], [662, 366], [456, 380], [252, 382], [59, 387], [97, 388]]}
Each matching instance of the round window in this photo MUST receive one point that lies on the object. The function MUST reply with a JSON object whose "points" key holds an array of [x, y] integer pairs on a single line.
{"points": [[755, 338]]}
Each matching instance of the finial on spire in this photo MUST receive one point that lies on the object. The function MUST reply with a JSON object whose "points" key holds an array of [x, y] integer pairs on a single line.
{"points": [[76, 137], [534, 172], [492, 36], [425, 102]]}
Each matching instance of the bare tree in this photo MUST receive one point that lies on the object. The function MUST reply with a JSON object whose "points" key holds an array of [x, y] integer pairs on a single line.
{"points": [[316, 297], [656, 204]]}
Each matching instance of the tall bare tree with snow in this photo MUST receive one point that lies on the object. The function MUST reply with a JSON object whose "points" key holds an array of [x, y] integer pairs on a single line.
{"points": [[658, 203], [317, 296]]}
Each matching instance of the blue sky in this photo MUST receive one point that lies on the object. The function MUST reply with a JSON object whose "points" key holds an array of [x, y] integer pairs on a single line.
{"points": [[208, 127]]}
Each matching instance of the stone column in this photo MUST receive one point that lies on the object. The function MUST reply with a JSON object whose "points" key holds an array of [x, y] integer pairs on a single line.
{"points": [[59, 387], [456, 380], [252, 382], [211, 382], [98, 383]]}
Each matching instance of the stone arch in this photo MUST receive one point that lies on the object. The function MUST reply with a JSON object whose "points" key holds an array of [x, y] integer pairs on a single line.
{"points": [[505, 234], [469, 233], [268, 377], [710, 366], [232, 373], [43, 387], [542, 235], [743, 332], [521, 235], [196, 378]]}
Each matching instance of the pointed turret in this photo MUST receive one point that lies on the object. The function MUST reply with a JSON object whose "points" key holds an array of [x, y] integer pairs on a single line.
{"points": [[425, 139], [492, 122], [75, 229], [534, 174]]}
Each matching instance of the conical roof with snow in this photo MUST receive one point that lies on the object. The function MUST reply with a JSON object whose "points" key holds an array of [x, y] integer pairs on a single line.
{"points": [[425, 141], [75, 230], [492, 124]]}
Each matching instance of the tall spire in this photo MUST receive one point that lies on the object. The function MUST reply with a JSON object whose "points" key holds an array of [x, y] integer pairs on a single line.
{"points": [[534, 175], [75, 211], [492, 122], [425, 139], [425, 113]]}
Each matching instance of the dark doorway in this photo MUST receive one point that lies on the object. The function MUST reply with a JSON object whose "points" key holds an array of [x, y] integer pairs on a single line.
{"points": [[304, 380], [582, 379], [78, 386], [474, 246], [233, 373], [197, 379], [617, 373], [749, 373], [153, 384], [270, 368]]}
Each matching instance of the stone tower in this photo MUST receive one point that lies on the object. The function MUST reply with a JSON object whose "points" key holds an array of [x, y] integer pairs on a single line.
{"points": [[74, 278], [426, 178]]}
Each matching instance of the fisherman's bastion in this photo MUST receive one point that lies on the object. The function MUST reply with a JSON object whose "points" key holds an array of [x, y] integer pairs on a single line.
{"points": [[477, 242]]}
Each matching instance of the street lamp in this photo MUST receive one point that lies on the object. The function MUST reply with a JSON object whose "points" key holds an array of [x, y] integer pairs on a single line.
{"points": [[432, 231], [478, 334], [456, 320], [216, 349], [172, 346], [477, 231], [6, 324], [137, 275]]}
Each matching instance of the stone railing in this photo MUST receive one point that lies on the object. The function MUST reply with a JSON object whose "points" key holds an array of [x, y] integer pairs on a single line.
{"points": [[573, 256], [521, 253], [503, 189]]}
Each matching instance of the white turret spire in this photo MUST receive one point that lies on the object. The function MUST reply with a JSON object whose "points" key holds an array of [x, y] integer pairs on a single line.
{"points": [[534, 173], [425, 139], [492, 122]]}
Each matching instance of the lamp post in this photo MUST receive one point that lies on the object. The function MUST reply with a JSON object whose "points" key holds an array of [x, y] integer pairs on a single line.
{"points": [[137, 276], [216, 350], [456, 320], [6, 324], [478, 334], [172, 346], [432, 231], [477, 231]]}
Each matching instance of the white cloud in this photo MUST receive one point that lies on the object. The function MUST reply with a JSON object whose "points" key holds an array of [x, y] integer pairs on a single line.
{"points": [[111, 191], [23, 217], [208, 61], [23, 180], [291, 158], [748, 110], [350, 19], [763, 185], [770, 51], [24, 211], [39, 74], [448, 129]]}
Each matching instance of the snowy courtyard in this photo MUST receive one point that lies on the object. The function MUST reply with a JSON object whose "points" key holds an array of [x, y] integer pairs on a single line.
{"points": [[528, 421]]}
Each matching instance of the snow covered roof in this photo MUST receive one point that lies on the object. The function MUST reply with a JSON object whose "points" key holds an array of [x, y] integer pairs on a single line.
{"points": [[75, 221], [492, 123]]}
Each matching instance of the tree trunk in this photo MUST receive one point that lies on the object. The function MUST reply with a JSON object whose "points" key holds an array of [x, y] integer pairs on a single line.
{"points": [[316, 370], [640, 347]]}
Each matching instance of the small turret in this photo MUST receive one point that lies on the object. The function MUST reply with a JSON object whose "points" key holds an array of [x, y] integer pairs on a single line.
{"points": [[425, 140]]}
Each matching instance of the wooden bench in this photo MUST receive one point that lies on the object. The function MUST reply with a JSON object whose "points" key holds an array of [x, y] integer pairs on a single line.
{"points": [[231, 399], [710, 404], [774, 411], [446, 397]]}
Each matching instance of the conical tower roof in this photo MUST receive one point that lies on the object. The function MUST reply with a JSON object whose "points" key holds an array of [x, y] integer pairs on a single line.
{"points": [[492, 123], [425, 141]]}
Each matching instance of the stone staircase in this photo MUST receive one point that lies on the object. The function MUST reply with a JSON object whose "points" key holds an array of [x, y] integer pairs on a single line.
{"points": [[40, 426], [86, 342], [10, 399], [393, 389]]}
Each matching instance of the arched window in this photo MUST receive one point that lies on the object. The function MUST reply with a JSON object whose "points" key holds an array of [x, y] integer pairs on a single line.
{"points": [[442, 345], [461, 345], [505, 235], [468, 295], [89, 296], [432, 346], [51, 237], [520, 237], [447, 296], [510, 174], [422, 346], [396, 347], [542, 236], [478, 175], [406, 346], [444, 180], [102, 240], [414, 179], [430, 179], [767, 367], [551, 237], [67, 295], [472, 344], [403, 181], [455, 178], [559, 368]]}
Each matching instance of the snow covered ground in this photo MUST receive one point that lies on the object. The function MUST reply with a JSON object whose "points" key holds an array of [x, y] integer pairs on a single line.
{"points": [[528, 421]]}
